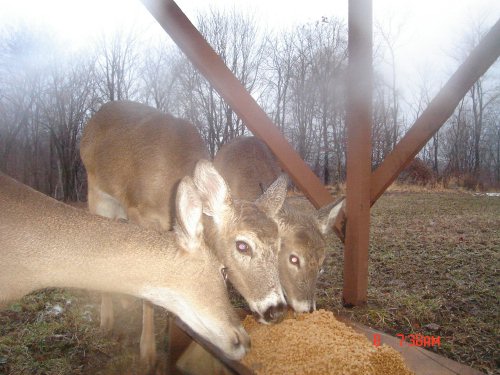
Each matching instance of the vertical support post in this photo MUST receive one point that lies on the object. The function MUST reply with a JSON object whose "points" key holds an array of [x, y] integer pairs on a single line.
{"points": [[359, 124]]}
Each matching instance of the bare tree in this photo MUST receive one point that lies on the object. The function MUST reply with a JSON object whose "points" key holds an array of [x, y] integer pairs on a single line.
{"points": [[160, 76], [116, 58], [430, 152], [42, 96], [277, 75], [491, 145], [329, 65], [390, 36], [304, 89], [471, 155], [69, 100], [23, 58], [236, 39], [388, 121]]}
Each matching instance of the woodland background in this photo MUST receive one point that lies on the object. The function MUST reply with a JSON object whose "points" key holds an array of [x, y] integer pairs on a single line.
{"points": [[49, 90]]}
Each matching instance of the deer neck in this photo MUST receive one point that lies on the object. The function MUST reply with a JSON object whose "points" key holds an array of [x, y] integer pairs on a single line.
{"points": [[92, 253]]}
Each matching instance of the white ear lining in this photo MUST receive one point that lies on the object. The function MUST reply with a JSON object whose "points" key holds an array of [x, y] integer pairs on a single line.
{"points": [[326, 222], [272, 199], [189, 209], [213, 190]]}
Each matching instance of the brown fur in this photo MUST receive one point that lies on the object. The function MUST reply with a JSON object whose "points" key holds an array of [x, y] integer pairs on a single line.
{"points": [[45, 243], [117, 142], [229, 159], [135, 155], [246, 163]]}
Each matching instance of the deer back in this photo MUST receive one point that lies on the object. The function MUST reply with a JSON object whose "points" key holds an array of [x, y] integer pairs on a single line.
{"points": [[137, 155], [236, 162]]}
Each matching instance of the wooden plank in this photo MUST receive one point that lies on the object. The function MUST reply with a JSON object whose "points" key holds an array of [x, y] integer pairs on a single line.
{"points": [[231, 365], [359, 123], [178, 342], [204, 58], [419, 360], [438, 111]]}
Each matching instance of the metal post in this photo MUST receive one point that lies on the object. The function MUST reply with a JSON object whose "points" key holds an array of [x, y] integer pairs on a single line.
{"points": [[359, 124]]}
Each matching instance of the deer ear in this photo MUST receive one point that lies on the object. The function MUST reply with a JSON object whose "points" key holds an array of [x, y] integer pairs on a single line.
{"points": [[272, 199], [188, 208], [213, 190], [326, 215]]}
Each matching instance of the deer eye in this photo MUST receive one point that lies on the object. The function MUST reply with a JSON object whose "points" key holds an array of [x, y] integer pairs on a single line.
{"points": [[243, 247], [223, 271], [294, 259]]}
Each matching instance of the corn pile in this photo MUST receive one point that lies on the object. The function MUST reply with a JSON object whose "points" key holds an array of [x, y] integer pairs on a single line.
{"points": [[317, 343]]}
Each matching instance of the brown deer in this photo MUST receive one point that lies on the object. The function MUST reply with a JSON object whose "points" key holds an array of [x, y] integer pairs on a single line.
{"points": [[135, 155], [45, 243], [248, 166]]}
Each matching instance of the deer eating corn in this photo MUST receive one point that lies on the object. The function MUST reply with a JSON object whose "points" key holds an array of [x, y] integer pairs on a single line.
{"points": [[317, 343]]}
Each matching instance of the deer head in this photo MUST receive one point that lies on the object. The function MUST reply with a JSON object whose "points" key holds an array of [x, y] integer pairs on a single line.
{"points": [[248, 165], [302, 252], [246, 239]]}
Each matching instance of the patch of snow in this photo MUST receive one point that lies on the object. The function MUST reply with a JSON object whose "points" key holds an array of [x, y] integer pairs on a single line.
{"points": [[494, 194], [87, 315], [56, 310]]}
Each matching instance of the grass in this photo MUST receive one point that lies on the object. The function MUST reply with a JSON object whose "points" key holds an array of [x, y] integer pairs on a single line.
{"points": [[56, 331], [434, 260]]}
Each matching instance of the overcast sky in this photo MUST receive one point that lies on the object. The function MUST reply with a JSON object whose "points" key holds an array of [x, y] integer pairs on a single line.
{"points": [[428, 28]]}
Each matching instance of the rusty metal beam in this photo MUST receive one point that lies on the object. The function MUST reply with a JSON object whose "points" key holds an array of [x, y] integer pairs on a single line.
{"points": [[192, 43], [359, 126], [438, 111]]}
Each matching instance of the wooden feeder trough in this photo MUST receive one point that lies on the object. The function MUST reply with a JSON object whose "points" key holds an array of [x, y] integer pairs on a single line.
{"points": [[191, 355]]}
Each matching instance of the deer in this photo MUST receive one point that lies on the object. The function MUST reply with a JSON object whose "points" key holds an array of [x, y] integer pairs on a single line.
{"points": [[46, 243], [247, 165], [135, 155]]}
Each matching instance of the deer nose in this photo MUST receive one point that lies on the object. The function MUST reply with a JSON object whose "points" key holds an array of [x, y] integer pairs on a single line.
{"points": [[275, 314]]}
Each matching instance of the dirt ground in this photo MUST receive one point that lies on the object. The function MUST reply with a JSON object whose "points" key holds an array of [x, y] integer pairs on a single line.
{"points": [[434, 261]]}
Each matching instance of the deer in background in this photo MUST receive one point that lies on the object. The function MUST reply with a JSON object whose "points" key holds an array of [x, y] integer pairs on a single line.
{"points": [[45, 243], [248, 166], [135, 155]]}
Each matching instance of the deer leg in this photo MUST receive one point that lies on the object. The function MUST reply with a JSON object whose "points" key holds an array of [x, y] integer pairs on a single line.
{"points": [[126, 302], [107, 317], [148, 344], [105, 205]]}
